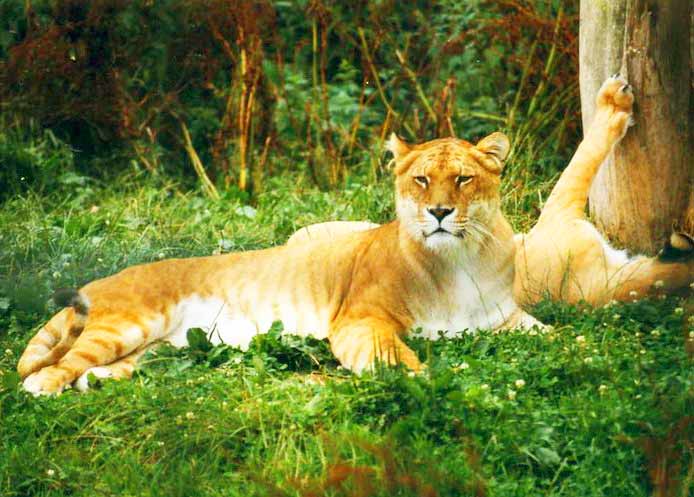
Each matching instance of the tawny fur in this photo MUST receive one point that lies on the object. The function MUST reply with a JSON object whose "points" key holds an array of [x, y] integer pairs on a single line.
{"points": [[445, 264], [564, 257]]}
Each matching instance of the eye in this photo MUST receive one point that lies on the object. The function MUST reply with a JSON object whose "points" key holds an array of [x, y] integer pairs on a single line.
{"points": [[462, 180], [421, 181]]}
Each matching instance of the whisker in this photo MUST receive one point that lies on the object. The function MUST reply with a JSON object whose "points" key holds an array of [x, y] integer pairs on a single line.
{"points": [[482, 231]]}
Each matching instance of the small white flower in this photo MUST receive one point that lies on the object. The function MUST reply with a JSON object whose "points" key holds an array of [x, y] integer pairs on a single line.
{"points": [[511, 394], [637, 334], [56, 274], [50, 472], [588, 360], [461, 367], [160, 444], [642, 351], [199, 400], [581, 340], [190, 415], [224, 404], [520, 383], [484, 386], [659, 284], [691, 335], [602, 389], [616, 317], [532, 332], [8, 352], [679, 311], [633, 294], [655, 332], [161, 255]]}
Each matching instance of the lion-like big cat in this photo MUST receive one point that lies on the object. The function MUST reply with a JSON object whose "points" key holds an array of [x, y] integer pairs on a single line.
{"points": [[564, 256], [445, 263]]}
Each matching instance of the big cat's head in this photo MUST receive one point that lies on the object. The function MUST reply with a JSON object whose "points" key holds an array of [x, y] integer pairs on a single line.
{"points": [[447, 190]]}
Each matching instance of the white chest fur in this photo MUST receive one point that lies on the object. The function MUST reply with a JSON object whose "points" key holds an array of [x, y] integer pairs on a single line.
{"points": [[470, 301]]}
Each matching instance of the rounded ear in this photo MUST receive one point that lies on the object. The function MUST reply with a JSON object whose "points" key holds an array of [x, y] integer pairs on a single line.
{"points": [[397, 147], [496, 146]]}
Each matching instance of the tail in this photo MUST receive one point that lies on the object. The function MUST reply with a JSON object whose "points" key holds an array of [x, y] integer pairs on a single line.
{"points": [[679, 247], [57, 336]]}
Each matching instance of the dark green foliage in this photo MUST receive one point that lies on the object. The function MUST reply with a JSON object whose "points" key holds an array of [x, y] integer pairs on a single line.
{"points": [[319, 84], [31, 159]]}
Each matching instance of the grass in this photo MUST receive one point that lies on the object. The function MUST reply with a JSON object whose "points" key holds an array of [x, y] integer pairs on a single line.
{"points": [[595, 408]]}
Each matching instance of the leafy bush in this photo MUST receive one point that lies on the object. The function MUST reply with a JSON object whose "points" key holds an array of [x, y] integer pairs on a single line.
{"points": [[31, 159], [248, 89]]}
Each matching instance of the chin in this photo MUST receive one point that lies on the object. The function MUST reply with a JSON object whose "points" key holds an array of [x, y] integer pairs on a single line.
{"points": [[440, 242]]}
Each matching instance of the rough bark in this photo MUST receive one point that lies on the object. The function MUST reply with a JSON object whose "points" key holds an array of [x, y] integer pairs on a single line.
{"points": [[646, 186]]}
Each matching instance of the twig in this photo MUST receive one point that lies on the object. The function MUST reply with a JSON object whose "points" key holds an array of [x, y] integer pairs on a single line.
{"points": [[420, 93], [377, 80], [207, 185]]}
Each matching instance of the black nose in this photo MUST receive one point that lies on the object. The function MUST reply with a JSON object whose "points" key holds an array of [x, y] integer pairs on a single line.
{"points": [[440, 212]]}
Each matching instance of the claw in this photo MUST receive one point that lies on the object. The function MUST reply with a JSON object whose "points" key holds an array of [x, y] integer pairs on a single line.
{"points": [[615, 75], [626, 88]]}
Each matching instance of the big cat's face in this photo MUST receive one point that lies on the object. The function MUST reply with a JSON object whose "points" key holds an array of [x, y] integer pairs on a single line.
{"points": [[448, 189]]}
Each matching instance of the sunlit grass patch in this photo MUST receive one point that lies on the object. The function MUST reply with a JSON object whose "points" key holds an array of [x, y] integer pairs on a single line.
{"points": [[586, 409]]}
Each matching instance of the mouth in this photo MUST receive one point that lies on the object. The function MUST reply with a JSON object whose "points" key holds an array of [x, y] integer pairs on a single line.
{"points": [[442, 231]]}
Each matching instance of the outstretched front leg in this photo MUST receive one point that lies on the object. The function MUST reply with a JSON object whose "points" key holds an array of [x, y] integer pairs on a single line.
{"points": [[612, 118], [359, 342]]}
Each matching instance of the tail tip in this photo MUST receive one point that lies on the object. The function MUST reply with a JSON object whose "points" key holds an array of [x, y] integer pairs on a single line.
{"points": [[678, 247], [69, 297]]}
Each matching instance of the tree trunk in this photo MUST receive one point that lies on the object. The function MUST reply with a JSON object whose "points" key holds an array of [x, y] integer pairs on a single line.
{"points": [[646, 185]]}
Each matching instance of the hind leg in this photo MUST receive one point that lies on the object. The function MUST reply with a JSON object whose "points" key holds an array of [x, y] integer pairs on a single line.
{"points": [[122, 368], [612, 118], [101, 343], [51, 342]]}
